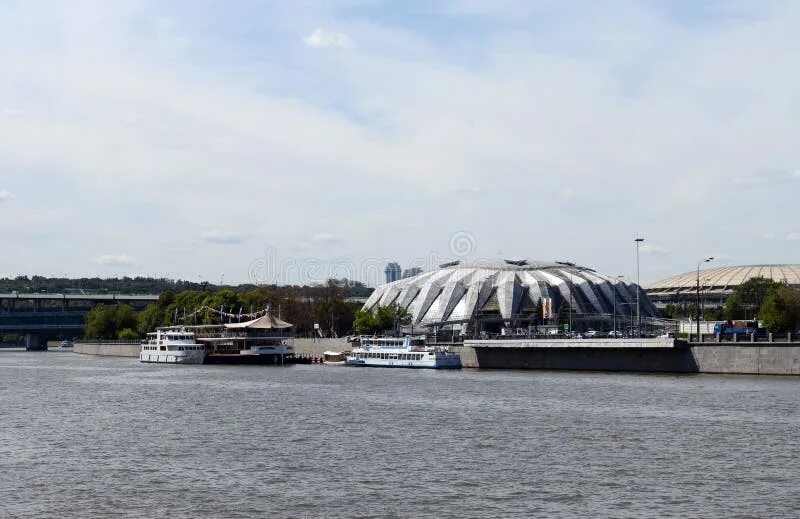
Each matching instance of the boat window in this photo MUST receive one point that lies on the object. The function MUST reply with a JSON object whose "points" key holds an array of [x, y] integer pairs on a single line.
{"points": [[163, 348]]}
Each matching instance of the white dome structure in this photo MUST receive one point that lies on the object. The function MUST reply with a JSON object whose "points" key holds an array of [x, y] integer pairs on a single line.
{"points": [[509, 291], [716, 284]]}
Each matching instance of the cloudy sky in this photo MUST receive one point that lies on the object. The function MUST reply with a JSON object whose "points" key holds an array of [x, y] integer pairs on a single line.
{"points": [[248, 139]]}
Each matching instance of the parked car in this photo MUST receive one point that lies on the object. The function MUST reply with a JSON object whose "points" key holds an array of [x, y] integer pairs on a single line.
{"points": [[590, 333], [66, 344], [615, 334]]}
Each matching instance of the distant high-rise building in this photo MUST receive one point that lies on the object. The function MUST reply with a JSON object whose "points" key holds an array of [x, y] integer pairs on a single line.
{"points": [[392, 272], [413, 271]]}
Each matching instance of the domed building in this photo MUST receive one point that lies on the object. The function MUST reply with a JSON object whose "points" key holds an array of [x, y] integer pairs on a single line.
{"points": [[497, 294], [716, 284]]}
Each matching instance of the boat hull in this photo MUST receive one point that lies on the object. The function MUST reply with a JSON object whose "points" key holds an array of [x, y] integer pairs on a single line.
{"points": [[379, 363], [255, 360], [172, 358]]}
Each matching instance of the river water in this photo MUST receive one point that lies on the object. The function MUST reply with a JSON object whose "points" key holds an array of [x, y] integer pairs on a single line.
{"points": [[84, 436]]}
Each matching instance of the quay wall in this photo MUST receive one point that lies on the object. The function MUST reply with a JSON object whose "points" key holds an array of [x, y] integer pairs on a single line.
{"points": [[316, 347], [109, 349], [580, 355]]}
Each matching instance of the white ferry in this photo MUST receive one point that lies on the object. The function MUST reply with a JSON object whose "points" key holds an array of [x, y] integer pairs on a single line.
{"points": [[172, 346], [402, 352]]}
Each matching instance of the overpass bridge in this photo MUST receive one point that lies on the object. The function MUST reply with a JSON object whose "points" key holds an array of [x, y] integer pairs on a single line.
{"points": [[43, 316]]}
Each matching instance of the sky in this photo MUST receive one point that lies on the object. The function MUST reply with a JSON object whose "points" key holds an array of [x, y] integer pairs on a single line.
{"points": [[292, 141]]}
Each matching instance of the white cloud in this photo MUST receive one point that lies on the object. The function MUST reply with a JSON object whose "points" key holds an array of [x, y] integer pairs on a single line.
{"points": [[326, 239], [793, 236], [114, 260], [222, 237], [322, 38], [641, 129], [655, 250], [5, 196]]}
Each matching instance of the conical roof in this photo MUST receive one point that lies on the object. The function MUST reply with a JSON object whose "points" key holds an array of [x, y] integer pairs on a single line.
{"points": [[265, 322]]}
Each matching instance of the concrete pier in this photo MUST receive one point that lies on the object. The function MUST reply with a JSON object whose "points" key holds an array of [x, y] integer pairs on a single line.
{"points": [[643, 355]]}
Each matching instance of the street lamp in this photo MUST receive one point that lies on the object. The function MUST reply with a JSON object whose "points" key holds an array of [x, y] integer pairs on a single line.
{"points": [[616, 282], [707, 260], [571, 288], [638, 290]]}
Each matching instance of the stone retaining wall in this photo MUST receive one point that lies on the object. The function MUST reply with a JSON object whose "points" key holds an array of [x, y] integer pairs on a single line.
{"points": [[631, 356], [108, 349], [315, 347]]}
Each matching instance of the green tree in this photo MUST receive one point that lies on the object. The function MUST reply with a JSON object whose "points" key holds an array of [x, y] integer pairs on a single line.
{"points": [[149, 319], [384, 319], [781, 309], [127, 334], [747, 299], [124, 317], [106, 321], [364, 322], [100, 323]]}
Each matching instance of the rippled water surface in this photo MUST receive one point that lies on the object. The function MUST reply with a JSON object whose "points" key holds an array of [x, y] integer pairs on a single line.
{"points": [[84, 436]]}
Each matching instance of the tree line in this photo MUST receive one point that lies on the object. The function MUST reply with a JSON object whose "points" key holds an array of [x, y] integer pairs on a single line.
{"points": [[303, 307], [776, 305], [146, 285]]}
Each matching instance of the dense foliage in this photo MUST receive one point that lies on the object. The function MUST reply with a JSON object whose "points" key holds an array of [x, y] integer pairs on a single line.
{"points": [[748, 298], [302, 306], [144, 285], [108, 321], [780, 310], [777, 305], [126, 285], [689, 309], [384, 319]]}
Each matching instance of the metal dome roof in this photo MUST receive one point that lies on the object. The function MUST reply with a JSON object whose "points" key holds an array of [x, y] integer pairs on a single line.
{"points": [[724, 279], [509, 288]]}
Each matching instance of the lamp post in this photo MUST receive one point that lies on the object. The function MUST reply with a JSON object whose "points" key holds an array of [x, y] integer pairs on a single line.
{"points": [[616, 282], [707, 260], [638, 291], [571, 288]]}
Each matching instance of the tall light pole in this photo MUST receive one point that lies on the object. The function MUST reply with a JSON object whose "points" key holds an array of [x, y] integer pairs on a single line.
{"points": [[616, 282], [710, 258], [638, 291], [571, 288]]}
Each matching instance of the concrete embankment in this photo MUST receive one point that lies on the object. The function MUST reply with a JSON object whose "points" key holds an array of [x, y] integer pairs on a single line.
{"points": [[316, 347], [645, 355], [110, 349]]}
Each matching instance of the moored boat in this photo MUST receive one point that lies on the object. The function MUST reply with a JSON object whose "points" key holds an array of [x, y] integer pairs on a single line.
{"points": [[334, 358], [402, 352], [172, 346], [264, 340]]}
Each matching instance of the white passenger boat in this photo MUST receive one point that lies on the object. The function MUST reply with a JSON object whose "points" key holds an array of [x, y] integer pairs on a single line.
{"points": [[172, 346], [402, 352]]}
